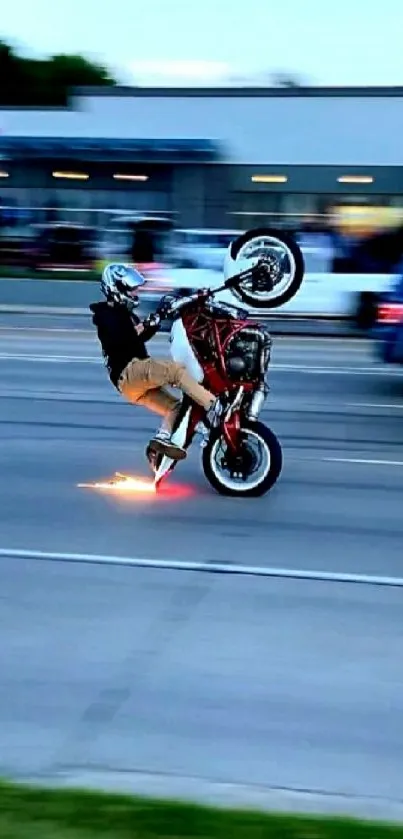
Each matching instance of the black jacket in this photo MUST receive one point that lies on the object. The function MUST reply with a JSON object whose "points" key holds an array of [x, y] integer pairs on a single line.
{"points": [[120, 343]]}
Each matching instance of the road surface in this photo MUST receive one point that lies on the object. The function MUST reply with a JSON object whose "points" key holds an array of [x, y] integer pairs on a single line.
{"points": [[284, 692]]}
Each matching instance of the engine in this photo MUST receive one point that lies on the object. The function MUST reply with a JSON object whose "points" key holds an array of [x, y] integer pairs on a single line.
{"points": [[243, 355]]}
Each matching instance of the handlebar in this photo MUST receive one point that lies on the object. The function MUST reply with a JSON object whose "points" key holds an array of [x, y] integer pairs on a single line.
{"points": [[205, 293], [200, 294]]}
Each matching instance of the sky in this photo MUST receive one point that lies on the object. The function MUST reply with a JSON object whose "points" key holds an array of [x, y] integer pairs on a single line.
{"points": [[325, 42]]}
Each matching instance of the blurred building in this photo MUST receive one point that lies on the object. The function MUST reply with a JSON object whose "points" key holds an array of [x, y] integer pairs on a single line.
{"points": [[211, 157]]}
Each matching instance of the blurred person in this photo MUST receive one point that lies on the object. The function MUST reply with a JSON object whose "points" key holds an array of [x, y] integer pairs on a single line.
{"points": [[379, 253], [140, 379], [142, 249]]}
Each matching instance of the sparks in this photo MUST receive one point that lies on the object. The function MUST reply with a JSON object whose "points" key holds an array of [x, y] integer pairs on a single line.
{"points": [[122, 483]]}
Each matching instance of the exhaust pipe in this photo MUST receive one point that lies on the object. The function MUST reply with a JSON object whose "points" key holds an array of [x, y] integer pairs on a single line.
{"points": [[257, 402]]}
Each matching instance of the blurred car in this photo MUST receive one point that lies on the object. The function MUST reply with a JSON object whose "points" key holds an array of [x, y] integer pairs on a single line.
{"points": [[61, 246], [318, 251], [388, 328], [14, 246], [201, 248], [141, 240], [375, 254]]}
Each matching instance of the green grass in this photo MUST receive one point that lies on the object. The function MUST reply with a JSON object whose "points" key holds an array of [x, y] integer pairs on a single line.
{"points": [[14, 272], [37, 813]]}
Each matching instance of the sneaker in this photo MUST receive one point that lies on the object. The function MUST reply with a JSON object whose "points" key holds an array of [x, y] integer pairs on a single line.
{"points": [[162, 444]]}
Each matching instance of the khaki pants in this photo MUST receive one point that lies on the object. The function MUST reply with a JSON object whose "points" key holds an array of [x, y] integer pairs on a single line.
{"points": [[144, 383]]}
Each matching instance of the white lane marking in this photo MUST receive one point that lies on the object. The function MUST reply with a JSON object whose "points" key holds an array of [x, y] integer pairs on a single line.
{"points": [[46, 329], [388, 405], [206, 567], [284, 368], [52, 359], [323, 340], [338, 371], [362, 460], [89, 333], [352, 343], [277, 405], [316, 340]]}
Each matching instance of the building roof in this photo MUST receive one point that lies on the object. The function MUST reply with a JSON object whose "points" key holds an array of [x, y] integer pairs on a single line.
{"points": [[102, 149], [259, 127], [244, 92]]}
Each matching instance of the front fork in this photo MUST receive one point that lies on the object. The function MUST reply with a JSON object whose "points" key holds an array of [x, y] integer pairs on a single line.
{"points": [[232, 422], [232, 417]]}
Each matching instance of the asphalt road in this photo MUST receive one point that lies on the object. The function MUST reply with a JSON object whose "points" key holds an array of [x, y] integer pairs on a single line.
{"points": [[281, 692]]}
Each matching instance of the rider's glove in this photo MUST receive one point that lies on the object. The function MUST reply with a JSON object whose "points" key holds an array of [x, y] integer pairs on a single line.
{"points": [[164, 309], [152, 321]]}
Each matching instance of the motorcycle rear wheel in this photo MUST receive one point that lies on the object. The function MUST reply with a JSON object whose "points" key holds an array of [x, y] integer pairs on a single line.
{"points": [[255, 485]]}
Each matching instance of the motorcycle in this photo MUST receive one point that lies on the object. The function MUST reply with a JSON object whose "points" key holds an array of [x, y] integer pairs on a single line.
{"points": [[229, 353]]}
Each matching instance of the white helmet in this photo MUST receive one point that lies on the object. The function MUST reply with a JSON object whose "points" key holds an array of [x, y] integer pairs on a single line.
{"points": [[119, 284]]}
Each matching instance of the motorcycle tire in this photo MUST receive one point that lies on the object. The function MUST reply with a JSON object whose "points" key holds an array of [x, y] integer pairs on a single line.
{"points": [[290, 290], [270, 476]]}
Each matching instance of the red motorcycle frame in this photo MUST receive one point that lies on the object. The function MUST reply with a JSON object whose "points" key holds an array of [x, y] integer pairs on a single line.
{"points": [[202, 328]]}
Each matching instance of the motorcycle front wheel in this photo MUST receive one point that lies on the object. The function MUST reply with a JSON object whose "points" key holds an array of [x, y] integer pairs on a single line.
{"points": [[286, 261], [254, 472]]}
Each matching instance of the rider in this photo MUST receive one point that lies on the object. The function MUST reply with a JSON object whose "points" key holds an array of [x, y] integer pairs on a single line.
{"points": [[140, 379]]}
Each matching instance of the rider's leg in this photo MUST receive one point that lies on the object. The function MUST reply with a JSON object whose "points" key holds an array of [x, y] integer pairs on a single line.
{"points": [[142, 376], [162, 402], [135, 387], [176, 375]]}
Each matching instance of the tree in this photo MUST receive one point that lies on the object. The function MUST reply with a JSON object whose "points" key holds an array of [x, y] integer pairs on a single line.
{"points": [[27, 81], [286, 80], [267, 79]]}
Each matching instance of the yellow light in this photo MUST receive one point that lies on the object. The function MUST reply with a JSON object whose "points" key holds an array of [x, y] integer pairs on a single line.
{"points": [[356, 179], [71, 176], [269, 179], [123, 177], [362, 220], [4, 174], [123, 484]]}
